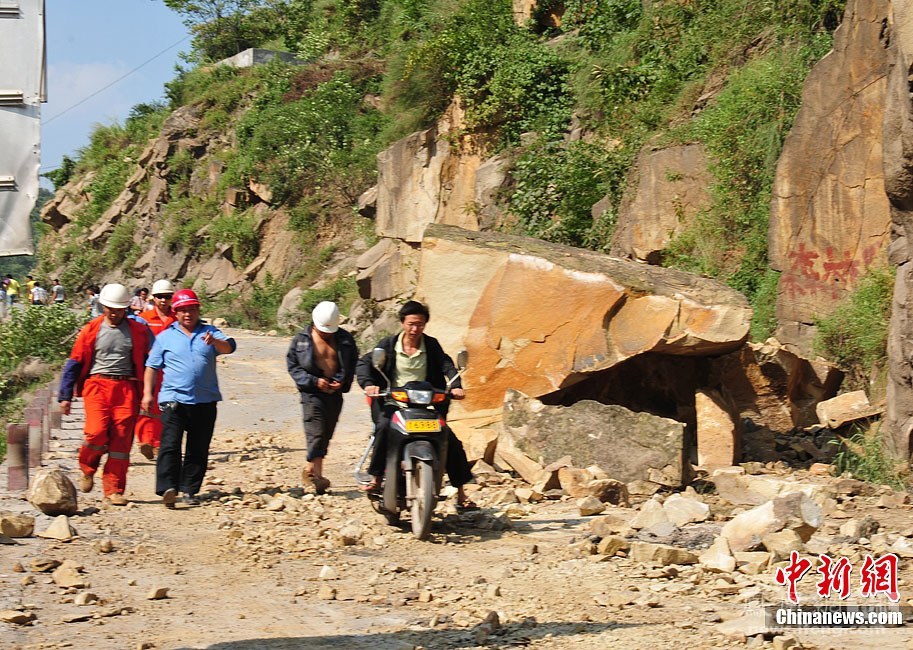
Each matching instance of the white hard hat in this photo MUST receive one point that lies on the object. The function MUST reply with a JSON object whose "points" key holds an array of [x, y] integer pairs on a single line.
{"points": [[114, 295], [162, 286], [326, 317]]}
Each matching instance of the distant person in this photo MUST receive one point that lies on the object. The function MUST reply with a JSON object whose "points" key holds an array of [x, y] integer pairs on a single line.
{"points": [[139, 302], [321, 359], [3, 299], [12, 289], [149, 423], [95, 307], [106, 367], [39, 294], [186, 350], [29, 284], [58, 295]]}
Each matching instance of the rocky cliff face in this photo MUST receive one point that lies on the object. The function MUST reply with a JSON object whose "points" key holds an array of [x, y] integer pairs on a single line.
{"points": [[830, 217], [898, 170]]}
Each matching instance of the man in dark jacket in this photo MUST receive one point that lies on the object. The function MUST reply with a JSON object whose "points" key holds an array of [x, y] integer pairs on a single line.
{"points": [[321, 360], [412, 355]]}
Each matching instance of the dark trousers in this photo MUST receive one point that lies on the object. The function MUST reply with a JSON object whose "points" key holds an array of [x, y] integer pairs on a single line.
{"points": [[458, 469], [172, 471], [321, 413]]}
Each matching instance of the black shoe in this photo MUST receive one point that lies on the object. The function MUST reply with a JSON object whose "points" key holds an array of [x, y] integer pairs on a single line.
{"points": [[191, 500], [169, 497]]}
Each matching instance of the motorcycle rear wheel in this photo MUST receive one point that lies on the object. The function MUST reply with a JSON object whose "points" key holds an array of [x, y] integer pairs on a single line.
{"points": [[423, 502]]}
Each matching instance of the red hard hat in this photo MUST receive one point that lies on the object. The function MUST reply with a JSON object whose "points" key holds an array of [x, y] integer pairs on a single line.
{"points": [[184, 298]]}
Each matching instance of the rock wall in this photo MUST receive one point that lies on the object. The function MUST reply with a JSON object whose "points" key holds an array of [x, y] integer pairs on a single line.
{"points": [[898, 169], [830, 217]]}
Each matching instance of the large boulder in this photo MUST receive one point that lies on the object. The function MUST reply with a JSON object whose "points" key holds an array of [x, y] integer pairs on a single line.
{"points": [[539, 317], [796, 511], [830, 217], [628, 445], [53, 493], [669, 187]]}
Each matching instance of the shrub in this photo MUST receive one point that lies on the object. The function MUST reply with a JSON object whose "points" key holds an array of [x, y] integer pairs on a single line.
{"points": [[342, 291], [863, 455], [855, 335]]}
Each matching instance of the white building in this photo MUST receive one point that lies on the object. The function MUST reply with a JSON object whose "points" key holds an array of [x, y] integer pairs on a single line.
{"points": [[22, 90]]}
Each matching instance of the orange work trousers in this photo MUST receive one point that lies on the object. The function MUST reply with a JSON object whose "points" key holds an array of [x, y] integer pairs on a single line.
{"points": [[111, 406], [149, 423]]}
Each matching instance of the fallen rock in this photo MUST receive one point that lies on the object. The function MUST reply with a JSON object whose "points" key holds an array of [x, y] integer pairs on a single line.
{"points": [[590, 506], [661, 554], [856, 528], [157, 593], [845, 408], [326, 592], [85, 598], [44, 564], [634, 445], [650, 515], [611, 544], [782, 543], [794, 511], [59, 529], [608, 490], [718, 441], [739, 488], [16, 617], [68, 575], [718, 558], [14, 524], [53, 493], [682, 510], [574, 481]]}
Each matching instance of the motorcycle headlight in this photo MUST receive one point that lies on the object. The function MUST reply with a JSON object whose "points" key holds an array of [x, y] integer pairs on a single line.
{"points": [[420, 396]]}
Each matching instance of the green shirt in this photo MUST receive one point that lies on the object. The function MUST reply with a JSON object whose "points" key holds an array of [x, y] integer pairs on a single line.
{"points": [[410, 367]]}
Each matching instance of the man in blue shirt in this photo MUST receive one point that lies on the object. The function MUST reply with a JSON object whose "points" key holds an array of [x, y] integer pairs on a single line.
{"points": [[187, 350]]}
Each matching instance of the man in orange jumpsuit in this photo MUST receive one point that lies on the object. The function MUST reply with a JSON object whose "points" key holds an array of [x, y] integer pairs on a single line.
{"points": [[158, 317], [106, 368]]}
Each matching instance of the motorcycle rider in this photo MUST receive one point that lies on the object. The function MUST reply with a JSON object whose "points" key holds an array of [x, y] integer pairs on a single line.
{"points": [[412, 355]]}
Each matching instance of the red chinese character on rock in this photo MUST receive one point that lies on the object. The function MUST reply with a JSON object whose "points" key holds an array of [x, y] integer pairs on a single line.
{"points": [[792, 574], [880, 576], [835, 576]]}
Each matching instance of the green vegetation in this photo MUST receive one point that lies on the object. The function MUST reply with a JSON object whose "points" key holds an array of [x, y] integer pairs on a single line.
{"points": [[863, 455], [342, 291], [44, 333], [855, 335]]}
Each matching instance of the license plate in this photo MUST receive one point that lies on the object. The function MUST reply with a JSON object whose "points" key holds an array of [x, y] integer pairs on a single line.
{"points": [[421, 426]]}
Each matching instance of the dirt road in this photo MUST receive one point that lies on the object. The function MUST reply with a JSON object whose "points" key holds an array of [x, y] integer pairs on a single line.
{"points": [[260, 565]]}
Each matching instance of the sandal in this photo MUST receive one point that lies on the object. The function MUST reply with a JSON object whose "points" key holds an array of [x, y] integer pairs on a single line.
{"points": [[467, 506], [373, 486]]}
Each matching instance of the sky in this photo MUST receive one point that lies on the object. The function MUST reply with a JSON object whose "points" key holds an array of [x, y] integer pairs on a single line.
{"points": [[94, 43]]}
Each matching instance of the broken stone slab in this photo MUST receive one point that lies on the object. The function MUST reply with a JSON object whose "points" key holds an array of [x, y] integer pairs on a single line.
{"points": [[44, 564], [609, 524], [60, 529], [718, 434], [479, 443], [856, 528], [739, 488], [681, 510], [718, 557], [752, 563], [661, 554], [574, 481], [608, 490], [509, 457], [846, 408], [14, 524], [634, 446], [53, 493], [794, 511]]}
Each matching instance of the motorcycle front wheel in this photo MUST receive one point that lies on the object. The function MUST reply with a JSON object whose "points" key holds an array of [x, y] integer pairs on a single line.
{"points": [[423, 502]]}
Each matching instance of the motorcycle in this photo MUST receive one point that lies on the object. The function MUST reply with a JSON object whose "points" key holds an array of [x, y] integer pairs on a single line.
{"points": [[416, 449]]}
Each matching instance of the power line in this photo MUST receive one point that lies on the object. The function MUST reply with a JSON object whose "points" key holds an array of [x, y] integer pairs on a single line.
{"points": [[119, 79]]}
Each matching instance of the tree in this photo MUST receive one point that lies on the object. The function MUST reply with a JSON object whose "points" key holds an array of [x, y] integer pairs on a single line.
{"points": [[219, 26]]}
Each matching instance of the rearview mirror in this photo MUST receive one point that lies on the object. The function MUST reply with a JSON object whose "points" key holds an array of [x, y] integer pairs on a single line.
{"points": [[462, 359], [378, 357]]}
